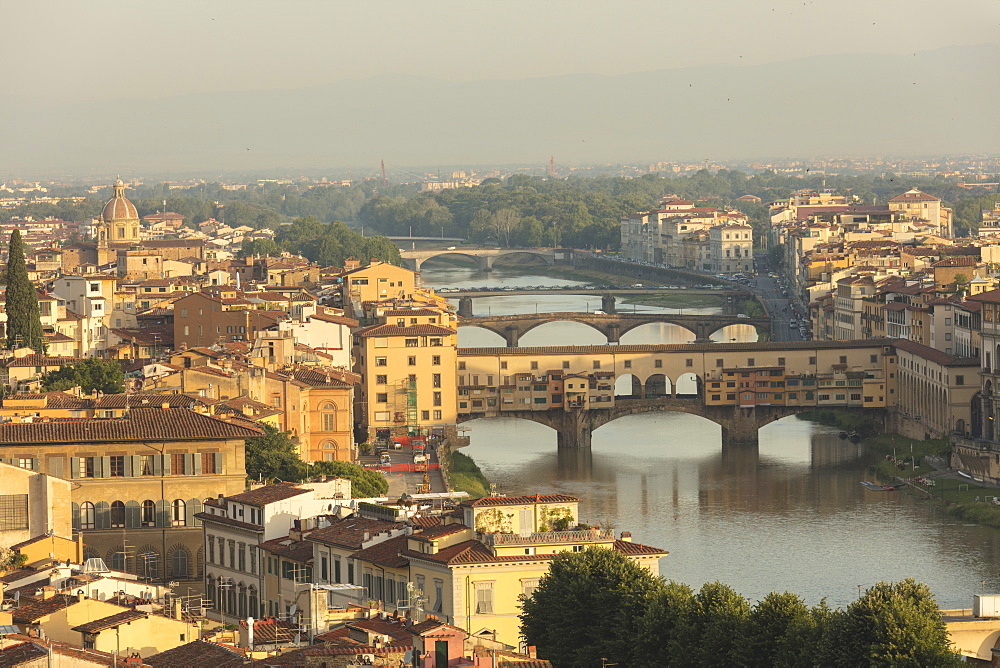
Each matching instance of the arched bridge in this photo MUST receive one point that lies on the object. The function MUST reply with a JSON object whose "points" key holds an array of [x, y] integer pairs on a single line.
{"points": [[612, 325], [484, 257], [575, 428]]}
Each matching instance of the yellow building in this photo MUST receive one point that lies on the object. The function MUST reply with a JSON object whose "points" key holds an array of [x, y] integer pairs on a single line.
{"points": [[138, 481], [375, 282], [407, 368], [36, 521]]}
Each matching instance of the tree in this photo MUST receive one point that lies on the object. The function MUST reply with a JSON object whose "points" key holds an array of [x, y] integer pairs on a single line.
{"points": [[719, 618], [365, 484], [668, 634], [769, 626], [259, 247], [89, 375], [893, 624], [588, 607], [24, 324], [272, 455]]}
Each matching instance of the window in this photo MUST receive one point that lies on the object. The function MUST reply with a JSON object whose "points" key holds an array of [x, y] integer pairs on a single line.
{"points": [[534, 365], [436, 361], [425, 415], [208, 463], [117, 466], [381, 380], [461, 365], [503, 365], [177, 464], [177, 518], [381, 361], [412, 343], [439, 595], [436, 380], [437, 415], [437, 398], [117, 515], [843, 359], [242, 553], [382, 397], [628, 364], [88, 517], [718, 362], [597, 364], [211, 549], [436, 342], [960, 380], [484, 598], [658, 364], [147, 513], [253, 559], [179, 563], [812, 360], [14, 512], [411, 361], [329, 421], [750, 361], [145, 465]]}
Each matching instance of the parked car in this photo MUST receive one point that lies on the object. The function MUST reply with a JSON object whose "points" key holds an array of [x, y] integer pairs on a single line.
{"points": [[419, 458]]}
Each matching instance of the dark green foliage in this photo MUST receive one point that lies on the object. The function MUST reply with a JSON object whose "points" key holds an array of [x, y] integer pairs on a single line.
{"points": [[273, 456], [588, 607], [597, 604], [259, 247], [24, 325], [331, 244], [365, 483], [90, 374], [465, 476]]}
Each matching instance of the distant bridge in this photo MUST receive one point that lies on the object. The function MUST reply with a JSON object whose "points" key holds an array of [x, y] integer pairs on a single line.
{"points": [[731, 301], [612, 325], [485, 257]]}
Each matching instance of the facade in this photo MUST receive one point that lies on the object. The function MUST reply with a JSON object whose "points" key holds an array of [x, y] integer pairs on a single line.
{"points": [[407, 366], [202, 320], [917, 205], [375, 282], [935, 390], [138, 481], [35, 507]]}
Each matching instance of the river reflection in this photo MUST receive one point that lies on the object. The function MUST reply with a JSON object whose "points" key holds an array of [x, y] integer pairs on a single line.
{"points": [[791, 516]]}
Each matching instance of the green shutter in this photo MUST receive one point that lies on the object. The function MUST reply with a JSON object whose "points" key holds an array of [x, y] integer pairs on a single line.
{"points": [[162, 513], [191, 508], [76, 516], [157, 465], [105, 464], [166, 465], [74, 467], [129, 468], [102, 511], [217, 459], [197, 463], [132, 515], [189, 463]]}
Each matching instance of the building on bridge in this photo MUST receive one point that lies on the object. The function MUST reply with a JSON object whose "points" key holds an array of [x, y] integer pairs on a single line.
{"points": [[739, 386]]}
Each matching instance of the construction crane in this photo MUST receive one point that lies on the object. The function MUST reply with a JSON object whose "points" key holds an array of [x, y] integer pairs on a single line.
{"points": [[552, 166], [385, 181]]}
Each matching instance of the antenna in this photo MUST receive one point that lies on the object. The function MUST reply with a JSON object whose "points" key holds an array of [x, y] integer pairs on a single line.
{"points": [[385, 181], [552, 165]]}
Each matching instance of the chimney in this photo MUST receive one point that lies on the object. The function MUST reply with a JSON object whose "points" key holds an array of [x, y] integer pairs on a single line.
{"points": [[80, 596], [48, 592], [178, 612], [627, 536], [532, 651], [165, 406]]}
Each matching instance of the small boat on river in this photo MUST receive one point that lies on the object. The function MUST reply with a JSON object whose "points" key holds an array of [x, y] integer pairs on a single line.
{"points": [[842, 435], [855, 437], [875, 487]]}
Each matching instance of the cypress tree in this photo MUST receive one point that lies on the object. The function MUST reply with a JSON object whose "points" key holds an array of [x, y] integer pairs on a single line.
{"points": [[24, 324]]}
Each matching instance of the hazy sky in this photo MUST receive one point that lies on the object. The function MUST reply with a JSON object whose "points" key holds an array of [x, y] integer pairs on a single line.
{"points": [[102, 50]]}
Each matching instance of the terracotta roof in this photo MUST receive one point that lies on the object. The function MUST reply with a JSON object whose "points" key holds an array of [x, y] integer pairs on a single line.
{"points": [[490, 501], [52, 399], [934, 355], [262, 496], [337, 319], [297, 550], [914, 195], [412, 330], [637, 549], [989, 297], [352, 531], [396, 629], [440, 530], [425, 521], [385, 553], [111, 621], [28, 614], [175, 424], [39, 360], [147, 400]]}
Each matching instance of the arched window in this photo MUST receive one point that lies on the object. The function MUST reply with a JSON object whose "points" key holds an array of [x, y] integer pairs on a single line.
{"points": [[179, 563], [148, 513], [88, 518], [210, 590], [241, 609], [329, 417], [117, 515], [178, 513], [147, 563], [253, 607], [117, 560]]}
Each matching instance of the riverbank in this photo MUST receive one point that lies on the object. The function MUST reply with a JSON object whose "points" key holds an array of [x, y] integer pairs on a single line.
{"points": [[921, 466], [464, 475]]}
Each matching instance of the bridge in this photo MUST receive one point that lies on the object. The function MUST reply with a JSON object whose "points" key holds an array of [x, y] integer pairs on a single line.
{"points": [[485, 257], [739, 386], [731, 301], [612, 325]]}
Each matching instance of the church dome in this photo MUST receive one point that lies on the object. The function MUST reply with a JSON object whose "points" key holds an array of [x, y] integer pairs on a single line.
{"points": [[119, 207]]}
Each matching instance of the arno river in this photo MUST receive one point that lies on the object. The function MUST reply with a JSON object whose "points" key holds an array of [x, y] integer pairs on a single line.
{"points": [[792, 517]]}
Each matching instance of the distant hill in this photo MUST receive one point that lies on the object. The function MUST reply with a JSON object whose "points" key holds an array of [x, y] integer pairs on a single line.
{"points": [[933, 102]]}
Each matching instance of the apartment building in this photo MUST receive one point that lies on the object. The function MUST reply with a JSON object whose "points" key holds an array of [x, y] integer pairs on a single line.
{"points": [[138, 481], [201, 320], [407, 366]]}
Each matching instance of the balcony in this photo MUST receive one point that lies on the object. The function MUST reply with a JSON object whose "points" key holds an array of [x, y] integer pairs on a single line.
{"points": [[548, 537]]}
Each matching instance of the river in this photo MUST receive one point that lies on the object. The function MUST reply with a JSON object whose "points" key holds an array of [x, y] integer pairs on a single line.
{"points": [[790, 517]]}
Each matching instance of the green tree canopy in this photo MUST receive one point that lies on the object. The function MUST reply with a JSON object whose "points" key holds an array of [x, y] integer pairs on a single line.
{"points": [[24, 324], [588, 607], [259, 247], [272, 456], [90, 374], [365, 483]]}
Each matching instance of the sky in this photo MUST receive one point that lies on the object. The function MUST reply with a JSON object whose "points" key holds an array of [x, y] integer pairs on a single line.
{"points": [[103, 50]]}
